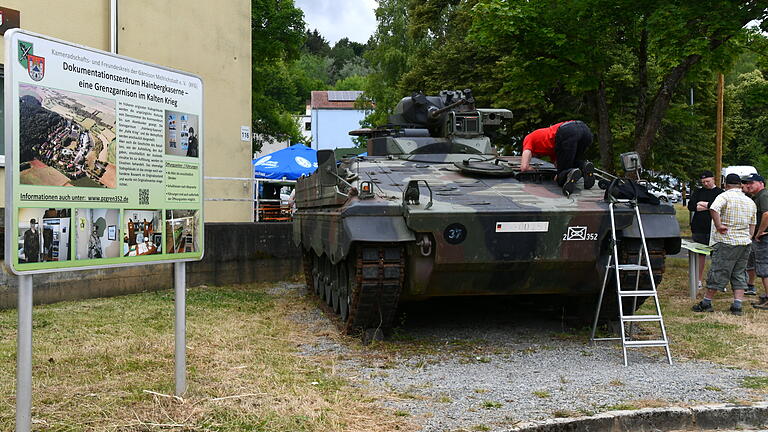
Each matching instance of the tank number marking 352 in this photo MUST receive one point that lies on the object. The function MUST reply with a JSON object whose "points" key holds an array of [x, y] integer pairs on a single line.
{"points": [[522, 226], [579, 233]]}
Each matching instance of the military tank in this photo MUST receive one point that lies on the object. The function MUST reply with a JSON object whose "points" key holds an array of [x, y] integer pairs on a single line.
{"points": [[432, 210]]}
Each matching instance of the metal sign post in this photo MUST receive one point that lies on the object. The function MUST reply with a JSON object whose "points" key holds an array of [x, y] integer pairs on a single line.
{"points": [[24, 356], [180, 285]]}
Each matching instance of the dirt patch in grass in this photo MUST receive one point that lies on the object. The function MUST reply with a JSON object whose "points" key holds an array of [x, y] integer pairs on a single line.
{"points": [[108, 364]]}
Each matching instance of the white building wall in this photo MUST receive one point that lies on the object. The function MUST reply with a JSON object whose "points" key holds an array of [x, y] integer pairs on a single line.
{"points": [[330, 128]]}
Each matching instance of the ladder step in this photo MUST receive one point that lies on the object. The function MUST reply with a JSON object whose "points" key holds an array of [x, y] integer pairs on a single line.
{"points": [[636, 318], [638, 293], [646, 343], [631, 267]]}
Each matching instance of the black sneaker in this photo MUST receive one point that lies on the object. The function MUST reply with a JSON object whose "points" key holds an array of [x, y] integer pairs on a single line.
{"points": [[589, 175], [701, 307], [750, 290], [736, 310], [762, 301], [573, 176]]}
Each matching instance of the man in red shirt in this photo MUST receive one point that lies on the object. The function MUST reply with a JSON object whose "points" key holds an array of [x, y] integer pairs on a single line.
{"points": [[565, 144]]}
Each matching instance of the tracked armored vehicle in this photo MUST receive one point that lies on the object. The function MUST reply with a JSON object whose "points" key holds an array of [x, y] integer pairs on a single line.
{"points": [[433, 211]]}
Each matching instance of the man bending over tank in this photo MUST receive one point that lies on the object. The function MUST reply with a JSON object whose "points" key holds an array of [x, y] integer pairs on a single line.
{"points": [[565, 144]]}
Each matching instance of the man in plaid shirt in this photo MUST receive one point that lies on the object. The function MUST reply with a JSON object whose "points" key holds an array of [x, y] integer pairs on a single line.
{"points": [[733, 223]]}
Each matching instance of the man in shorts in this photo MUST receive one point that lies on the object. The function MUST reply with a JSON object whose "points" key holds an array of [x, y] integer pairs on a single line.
{"points": [[701, 221], [755, 186], [733, 223]]}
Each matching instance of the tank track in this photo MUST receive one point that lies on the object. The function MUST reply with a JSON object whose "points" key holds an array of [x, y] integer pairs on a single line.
{"points": [[379, 275], [375, 273]]}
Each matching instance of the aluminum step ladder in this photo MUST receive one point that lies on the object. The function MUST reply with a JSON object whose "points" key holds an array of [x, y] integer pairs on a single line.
{"points": [[643, 265]]}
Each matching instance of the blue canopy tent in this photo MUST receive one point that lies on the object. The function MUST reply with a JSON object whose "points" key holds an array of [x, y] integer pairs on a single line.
{"points": [[286, 164], [273, 171]]}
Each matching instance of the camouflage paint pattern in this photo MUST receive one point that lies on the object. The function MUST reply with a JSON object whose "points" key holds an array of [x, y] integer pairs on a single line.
{"points": [[481, 235], [567, 257]]}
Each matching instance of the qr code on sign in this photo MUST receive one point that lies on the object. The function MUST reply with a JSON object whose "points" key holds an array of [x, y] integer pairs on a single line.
{"points": [[143, 196]]}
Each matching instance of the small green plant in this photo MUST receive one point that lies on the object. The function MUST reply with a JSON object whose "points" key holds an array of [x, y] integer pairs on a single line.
{"points": [[543, 394], [753, 382], [491, 405], [444, 399], [401, 413], [481, 391], [481, 427], [621, 407], [712, 388], [616, 383], [562, 413]]}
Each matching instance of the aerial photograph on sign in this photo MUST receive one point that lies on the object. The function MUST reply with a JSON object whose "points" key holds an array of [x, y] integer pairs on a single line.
{"points": [[66, 138]]}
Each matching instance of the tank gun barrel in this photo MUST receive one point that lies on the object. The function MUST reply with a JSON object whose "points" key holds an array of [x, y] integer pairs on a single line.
{"points": [[434, 113]]}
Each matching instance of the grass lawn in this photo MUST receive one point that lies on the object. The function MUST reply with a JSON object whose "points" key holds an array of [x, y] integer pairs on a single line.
{"points": [[684, 219], [719, 337], [96, 361], [107, 364]]}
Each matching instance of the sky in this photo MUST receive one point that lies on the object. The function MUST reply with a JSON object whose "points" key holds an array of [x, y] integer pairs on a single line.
{"points": [[337, 19]]}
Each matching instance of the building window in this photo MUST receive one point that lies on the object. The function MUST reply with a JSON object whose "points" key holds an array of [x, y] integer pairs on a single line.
{"points": [[307, 125]]}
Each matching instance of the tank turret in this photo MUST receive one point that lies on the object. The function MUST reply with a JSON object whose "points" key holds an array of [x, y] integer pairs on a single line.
{"points": [[445, 124]]}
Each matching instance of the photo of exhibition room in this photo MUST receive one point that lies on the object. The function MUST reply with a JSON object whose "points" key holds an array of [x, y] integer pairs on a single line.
{"points": [[96, 234], [43, 235], [143, 232], [181, 228]]}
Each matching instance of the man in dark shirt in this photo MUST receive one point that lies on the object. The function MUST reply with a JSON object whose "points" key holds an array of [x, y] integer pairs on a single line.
{"points": [[32, 243], [755, 186], [701, 220]]}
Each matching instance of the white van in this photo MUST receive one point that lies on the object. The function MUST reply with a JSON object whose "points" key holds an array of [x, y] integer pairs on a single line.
{"points": [[741, 170]]}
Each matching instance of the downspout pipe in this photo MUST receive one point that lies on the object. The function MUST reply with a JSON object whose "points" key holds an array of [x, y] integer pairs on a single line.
{"points": [[113, 26]]}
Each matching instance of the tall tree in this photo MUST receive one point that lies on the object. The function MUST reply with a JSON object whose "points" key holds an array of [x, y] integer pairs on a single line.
{"points": [[388, 55], [277, 36], [576, 45]]}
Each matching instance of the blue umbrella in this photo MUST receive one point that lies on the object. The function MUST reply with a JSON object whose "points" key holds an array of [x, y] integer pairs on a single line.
{"points": [[289, 163]]}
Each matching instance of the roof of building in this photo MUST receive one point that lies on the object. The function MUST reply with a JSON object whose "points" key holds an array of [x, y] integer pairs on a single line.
{"points": [[334, 99]]}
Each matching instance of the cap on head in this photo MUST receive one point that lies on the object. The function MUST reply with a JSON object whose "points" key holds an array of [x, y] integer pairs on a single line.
{"points": [[706, 174], [732, 179], [752, 177], [32, 221]]}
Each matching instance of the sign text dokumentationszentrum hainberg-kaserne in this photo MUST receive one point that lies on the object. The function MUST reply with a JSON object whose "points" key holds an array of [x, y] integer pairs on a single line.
{"points": [[103, 158]]}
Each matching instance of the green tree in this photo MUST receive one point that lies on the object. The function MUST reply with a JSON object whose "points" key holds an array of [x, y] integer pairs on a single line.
{"points": [[575, 45], [316, 44], [388, 56], [277, 36], [748, 120]]}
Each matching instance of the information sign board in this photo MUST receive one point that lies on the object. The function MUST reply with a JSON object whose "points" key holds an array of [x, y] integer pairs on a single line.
{"points": [[104, 158]]}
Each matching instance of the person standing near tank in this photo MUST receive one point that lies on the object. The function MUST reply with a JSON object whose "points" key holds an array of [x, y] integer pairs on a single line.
{"points": [[755, 186], [565, 144], [733, 223], [701, 221]]}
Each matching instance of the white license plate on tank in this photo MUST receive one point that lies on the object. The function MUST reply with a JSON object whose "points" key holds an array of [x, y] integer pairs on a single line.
{"points": [[522, 226]]}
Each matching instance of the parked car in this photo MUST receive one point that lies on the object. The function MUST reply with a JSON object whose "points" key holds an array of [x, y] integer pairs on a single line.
{"points": [[665, 194]]}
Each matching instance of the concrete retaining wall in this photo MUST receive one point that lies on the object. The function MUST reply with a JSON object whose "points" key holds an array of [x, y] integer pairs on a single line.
{"points": [[235, 253]]}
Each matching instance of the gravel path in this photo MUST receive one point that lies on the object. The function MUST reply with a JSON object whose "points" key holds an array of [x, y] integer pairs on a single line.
{"points": [[483, 365]]}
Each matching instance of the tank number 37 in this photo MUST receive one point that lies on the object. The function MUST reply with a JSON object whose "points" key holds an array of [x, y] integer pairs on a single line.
{"points": [[579, 233]]}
